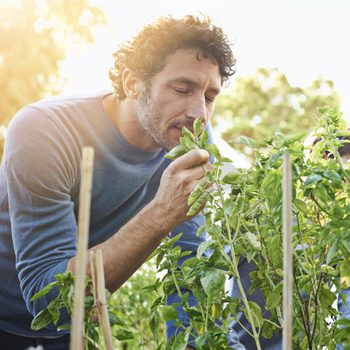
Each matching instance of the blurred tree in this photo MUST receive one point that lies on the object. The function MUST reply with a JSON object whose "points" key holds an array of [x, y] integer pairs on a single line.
{"points": [[34, 38], [264, 103]]}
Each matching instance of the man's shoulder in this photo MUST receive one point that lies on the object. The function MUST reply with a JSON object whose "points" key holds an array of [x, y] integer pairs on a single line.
{"points": [[50, 110], [69, 99]]}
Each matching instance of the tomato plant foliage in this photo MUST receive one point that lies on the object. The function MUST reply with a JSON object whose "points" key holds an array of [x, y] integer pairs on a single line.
{"points": [[245, 222], [243, 211]]}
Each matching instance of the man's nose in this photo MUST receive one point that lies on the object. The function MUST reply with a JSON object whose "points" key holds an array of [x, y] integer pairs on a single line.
{"points": [[197, 109]]}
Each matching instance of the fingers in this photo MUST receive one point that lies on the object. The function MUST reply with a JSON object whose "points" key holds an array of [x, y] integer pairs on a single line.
{"points": [[195, 173], [190, 160]]}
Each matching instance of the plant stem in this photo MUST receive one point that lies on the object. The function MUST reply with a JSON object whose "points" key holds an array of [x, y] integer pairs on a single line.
{"points": [[233, 262], [304, 318]]}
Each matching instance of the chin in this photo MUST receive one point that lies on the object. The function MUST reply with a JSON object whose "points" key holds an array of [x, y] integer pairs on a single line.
{"points": [[169, 141]]}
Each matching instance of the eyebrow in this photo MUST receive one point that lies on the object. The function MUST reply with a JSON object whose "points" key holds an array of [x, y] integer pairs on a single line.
{"points": [[185, 80]]}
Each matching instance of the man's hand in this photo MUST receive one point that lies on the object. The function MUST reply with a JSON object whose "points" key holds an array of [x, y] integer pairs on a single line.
{"points": [[127, 250], [177, 182]]}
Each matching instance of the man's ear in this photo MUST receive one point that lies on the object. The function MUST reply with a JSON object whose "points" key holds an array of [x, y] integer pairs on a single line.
{"points": [[131, 84]]}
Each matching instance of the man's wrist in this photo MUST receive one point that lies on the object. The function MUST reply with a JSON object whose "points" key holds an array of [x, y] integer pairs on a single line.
{"points": [[155, 220]]}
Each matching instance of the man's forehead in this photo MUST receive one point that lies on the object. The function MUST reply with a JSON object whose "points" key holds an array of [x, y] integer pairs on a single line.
{"points": [[193, 83], [186, 65]]}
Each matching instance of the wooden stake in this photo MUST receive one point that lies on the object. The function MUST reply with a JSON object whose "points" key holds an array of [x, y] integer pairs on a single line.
{"points": [[102, 302], [76, 339], [98, 282], [287, 255]]}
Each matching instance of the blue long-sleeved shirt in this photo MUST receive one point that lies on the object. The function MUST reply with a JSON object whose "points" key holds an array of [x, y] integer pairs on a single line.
{"points": [[39, 197]]}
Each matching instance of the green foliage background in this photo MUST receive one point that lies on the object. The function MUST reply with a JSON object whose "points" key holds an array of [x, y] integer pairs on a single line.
{"points": [[265, 102], [34, 38]]}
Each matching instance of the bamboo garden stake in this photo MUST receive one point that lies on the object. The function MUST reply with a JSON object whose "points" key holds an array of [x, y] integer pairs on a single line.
{"points": [[76, 340], [97, 273], [287, 254]]}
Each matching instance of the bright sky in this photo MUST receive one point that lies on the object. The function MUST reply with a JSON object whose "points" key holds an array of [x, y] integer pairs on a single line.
{"points": [[304, 39]]}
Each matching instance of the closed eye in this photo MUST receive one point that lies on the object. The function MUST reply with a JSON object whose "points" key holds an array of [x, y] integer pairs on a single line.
{"points": [[182, 91], [209, 99]]}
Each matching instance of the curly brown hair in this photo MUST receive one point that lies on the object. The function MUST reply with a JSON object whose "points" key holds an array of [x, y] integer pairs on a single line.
{"points": [[146, 53]]}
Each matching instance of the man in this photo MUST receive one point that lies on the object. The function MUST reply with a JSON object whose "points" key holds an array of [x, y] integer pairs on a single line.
{"points": [[164, 78]]}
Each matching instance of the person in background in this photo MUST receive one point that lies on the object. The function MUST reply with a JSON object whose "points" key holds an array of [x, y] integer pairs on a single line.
{"points": [[170, 73]]}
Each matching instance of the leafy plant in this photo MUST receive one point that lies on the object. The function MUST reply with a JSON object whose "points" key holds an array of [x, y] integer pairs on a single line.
{"points": [[243, 211], [57, 310], [248, 221]]}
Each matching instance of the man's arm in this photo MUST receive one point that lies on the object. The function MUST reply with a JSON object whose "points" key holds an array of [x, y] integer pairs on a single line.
{"points": [[129, 248], [41, 170]]}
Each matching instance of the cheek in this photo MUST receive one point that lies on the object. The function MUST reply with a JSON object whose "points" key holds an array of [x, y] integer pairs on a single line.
{"points": [[169, 108]]}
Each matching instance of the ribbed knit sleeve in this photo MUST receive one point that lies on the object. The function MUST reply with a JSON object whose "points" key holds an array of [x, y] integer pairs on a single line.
{"points": [[41, 163]]}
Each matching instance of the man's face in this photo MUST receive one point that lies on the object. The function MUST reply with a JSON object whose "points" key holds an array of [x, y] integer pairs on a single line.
{"points": [[186, 88]]}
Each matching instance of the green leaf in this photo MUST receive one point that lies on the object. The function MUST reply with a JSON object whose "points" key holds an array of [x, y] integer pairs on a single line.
{"points": [[64, 327], [330, 270], [327, 297], [333, 175], [333, 249], [154, 321], [44, 291], [197, 127], [169, 313], [253, 240], [180, 342], [213, 281], [187, 133], [346, 245], [213, 149], [312, 179], [204, 139], [169, 287], [231, 178], [271, 183], [176, 152], [203, 247], [201, 340], [198, 204], [187, 143], [160, 257], [171, 241], [124, 334], [301, 205], [274, 247], [114, 319], [41, 320], [197, 191], [54, 310], [288, 140], [65, 278], [273, 299], [256, 311]]}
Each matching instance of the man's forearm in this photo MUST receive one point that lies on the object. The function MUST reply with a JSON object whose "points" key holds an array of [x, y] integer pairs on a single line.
{"points": [[128, 249]]}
